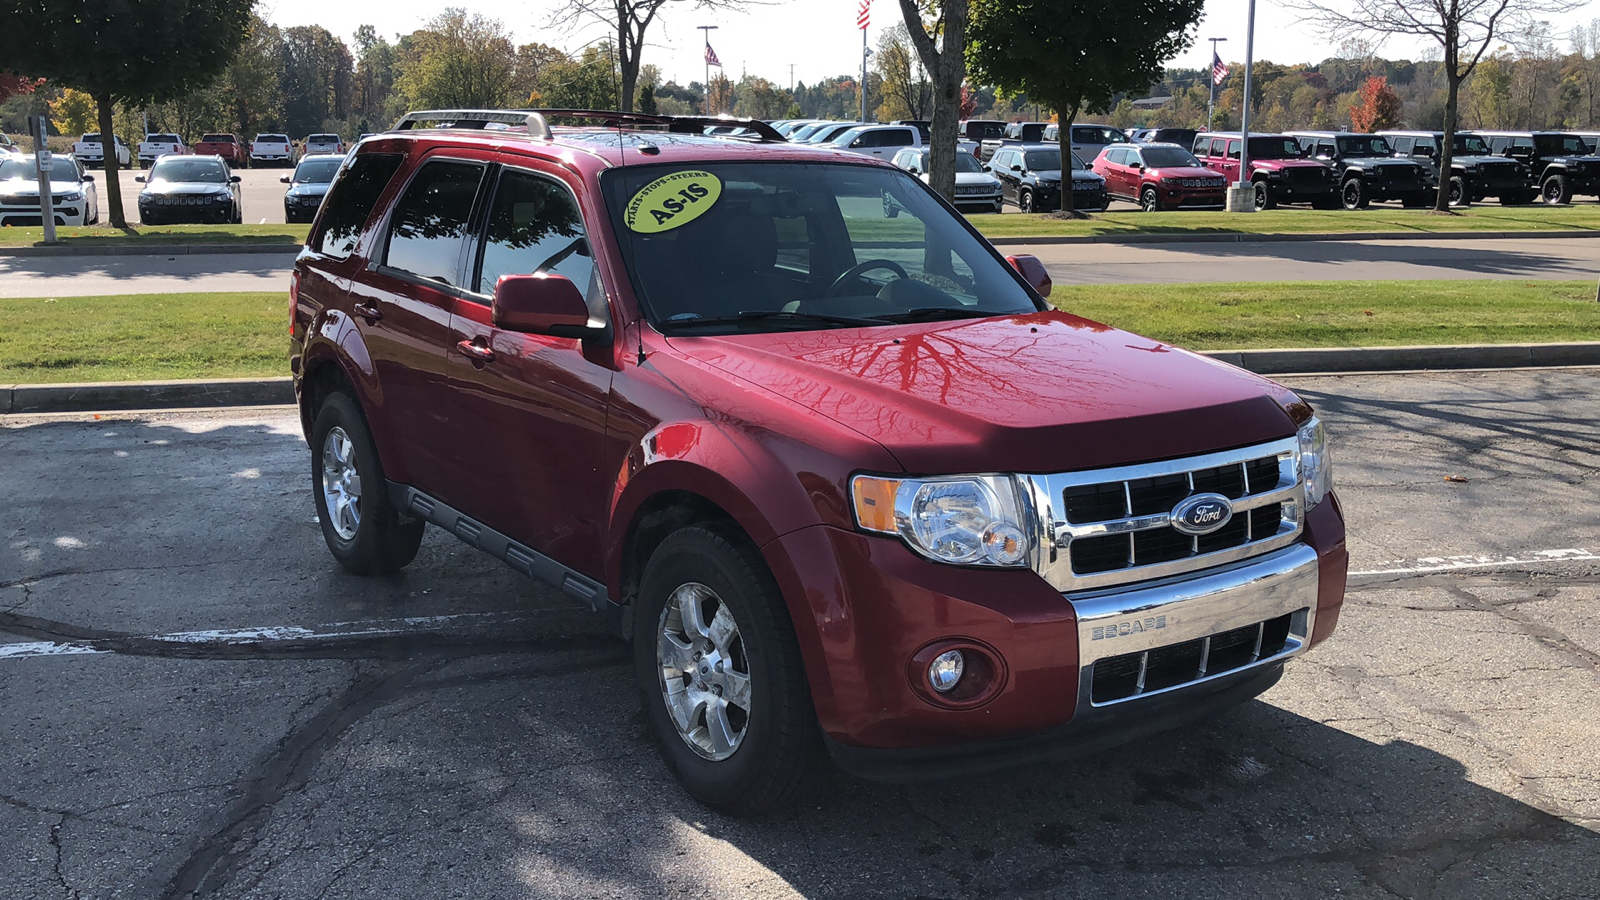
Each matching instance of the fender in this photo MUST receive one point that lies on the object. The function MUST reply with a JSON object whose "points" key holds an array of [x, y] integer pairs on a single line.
{"points": [[334, 339]]}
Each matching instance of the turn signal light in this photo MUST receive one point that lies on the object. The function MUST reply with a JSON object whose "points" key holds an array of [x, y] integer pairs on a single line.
{"points": [[875, 503]]}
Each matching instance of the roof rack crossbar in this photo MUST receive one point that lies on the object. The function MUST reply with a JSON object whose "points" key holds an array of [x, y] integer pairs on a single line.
{"points": [[537, 120], [477, 119]]}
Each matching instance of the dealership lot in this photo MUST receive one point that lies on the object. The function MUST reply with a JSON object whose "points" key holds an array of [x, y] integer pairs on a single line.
{"points": [[198, 703], [260, 198]]}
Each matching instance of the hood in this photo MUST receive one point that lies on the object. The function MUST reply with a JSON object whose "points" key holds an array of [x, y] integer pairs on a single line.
{"points": [[1380, 162], [308, 189], [1277, 164], [1039, 392], [1185, 172], [182, 188], [1087, 175], [983, 179]]}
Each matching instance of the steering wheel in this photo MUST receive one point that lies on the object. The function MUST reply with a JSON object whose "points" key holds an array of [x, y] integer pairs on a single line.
{"points": [[856, 271]]}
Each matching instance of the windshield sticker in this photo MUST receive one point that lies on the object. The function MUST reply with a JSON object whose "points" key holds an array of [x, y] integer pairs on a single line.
{"points": [[671, 201]]}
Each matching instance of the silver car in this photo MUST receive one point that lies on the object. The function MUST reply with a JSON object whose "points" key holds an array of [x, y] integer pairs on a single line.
{"points": [[976, 190]]}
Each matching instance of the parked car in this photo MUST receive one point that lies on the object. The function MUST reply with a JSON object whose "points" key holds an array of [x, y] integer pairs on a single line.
{"points": [[198, 189], [1160, 176], [73, 196], [976, 189], [1279, 171], [788, 129], [224, 145], [90, 149], [971, 133], [924, 127], [156, 145], [877, 140], [272, 150], [7, 145], [308, 185], [1475, 172], [1366, 168], [1030, 178], [827, 133], [1087, 140], [1014, 133], [1183, 137], [803, 134], [1561, 164], [709, 395], [320, 144]]}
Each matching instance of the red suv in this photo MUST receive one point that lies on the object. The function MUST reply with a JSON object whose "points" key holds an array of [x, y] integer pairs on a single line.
{"points": [[1279, 169], [845, 479], [1159, 176]]}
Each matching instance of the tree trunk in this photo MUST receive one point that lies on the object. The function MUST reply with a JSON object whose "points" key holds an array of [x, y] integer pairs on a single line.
{"points": [[1064, 119], [948, 65], [1447, 146], [627, 65], [111, 190]]}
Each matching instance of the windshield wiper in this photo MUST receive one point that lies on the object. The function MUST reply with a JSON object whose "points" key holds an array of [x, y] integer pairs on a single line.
{"points": [[928, 313], [757, 315]]}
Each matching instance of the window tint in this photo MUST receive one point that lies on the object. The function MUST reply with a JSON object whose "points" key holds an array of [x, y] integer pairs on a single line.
{"points": [[1116, 157], [534, 226], [430, 221], [1217, 145], [897, 138], [351, 200], [1082, 134], [1233, 149]]}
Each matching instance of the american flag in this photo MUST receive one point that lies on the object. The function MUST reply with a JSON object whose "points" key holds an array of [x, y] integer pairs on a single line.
{"points": [[865, 15], [711, 57], [1218, 70]]}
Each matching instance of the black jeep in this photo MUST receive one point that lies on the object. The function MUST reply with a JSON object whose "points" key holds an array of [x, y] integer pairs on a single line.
{"points": [[1367, 170], [1475, 172], [1563, 163]]}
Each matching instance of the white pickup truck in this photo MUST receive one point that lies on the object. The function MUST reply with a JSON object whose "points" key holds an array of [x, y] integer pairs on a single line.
{"points": [[90, 149], [271, 149], [154, 146]]}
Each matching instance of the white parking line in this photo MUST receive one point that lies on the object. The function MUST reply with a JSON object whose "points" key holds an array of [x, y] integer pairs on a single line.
{"points": [[1427, 564], [270, 634]]}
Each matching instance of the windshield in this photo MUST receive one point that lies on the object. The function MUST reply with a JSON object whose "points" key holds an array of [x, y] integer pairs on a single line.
{"points": [[1555, 144], [1275, 148], [966, 163], [1471, 145], [826, 134], [1168, 157], [799, 246], [177, 168], [1042, 160], [23, 167], [1362, 147], [316, 171], [983, 131]]}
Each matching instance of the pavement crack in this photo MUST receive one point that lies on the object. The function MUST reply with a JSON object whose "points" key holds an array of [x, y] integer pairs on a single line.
{"points": [[61, 877]]}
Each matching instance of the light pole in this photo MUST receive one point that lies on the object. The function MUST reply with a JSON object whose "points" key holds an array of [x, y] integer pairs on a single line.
{"points": [[706, 30], [1244, 118], [1211, 106]]}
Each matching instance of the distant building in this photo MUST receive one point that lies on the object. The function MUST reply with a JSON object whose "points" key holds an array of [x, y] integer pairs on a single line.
{"points": [[1152, 103]]}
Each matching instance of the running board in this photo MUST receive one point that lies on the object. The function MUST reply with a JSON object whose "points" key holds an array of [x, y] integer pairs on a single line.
{"points": [[524, 559]]}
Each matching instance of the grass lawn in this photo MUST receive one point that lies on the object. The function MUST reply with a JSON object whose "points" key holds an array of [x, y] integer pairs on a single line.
{"points": [[166, 336], [1343, 314], [287, 235], [139, 337], [1578, 217]]}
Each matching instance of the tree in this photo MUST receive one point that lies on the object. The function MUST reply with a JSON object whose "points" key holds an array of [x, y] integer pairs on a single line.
{"points": [[969, 102], [1066, 54], [459, 61], [586, 83], [317, 75], [905, 95], [104, 48], [629, 21], [647, 99], [1377, 107], [941, 44], [73, 112], [12, 85], [1464, 30]]}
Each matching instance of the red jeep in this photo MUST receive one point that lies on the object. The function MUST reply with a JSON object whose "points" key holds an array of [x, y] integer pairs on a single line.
{"points": [[847, 481], [1279, 169]]}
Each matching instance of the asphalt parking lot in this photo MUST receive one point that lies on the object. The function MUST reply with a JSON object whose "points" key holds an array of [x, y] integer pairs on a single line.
{"points": [[196, 702]]}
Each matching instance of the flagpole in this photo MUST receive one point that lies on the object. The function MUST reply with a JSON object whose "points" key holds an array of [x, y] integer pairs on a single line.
{"points": [[1211, 107], [706, 30], [863, 74]]}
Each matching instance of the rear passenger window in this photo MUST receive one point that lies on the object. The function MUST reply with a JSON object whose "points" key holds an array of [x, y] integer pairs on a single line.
{"points": [[430, 221], [1216, 146], [898, 139], [534, 226], [350, 201], [1233, 149]]}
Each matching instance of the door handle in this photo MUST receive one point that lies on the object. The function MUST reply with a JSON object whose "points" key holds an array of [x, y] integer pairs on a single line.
{"points": [[368, 311], [475, 351]]}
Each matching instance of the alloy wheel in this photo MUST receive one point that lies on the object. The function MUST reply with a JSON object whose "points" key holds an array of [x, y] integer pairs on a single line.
{"points": [[705, 675], [341, 483]]}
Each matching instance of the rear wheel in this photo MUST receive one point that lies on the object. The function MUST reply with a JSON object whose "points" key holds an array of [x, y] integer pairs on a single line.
{"points": [[719, 672], [364, 531]]}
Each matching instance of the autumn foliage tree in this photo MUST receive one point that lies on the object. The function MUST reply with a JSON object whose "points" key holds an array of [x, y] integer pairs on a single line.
{"points": [[1376, 107]]}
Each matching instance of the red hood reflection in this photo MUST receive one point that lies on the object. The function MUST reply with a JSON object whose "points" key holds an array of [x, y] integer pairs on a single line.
{"points": [[1031, 393]]}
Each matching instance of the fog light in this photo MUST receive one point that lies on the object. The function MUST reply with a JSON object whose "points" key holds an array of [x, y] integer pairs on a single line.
{"points": [[945, 672]]}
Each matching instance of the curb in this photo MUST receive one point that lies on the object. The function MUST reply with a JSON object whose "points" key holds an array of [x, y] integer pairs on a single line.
{"points": [[148, 249], [1238, 238], [19, 399]]}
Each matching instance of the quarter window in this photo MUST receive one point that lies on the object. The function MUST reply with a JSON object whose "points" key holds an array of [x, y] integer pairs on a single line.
{"points": [[534, 226], [430, 221], [351, 200]]}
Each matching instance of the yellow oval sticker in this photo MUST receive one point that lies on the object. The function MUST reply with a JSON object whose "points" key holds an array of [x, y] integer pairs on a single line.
{"points": [[671, 201]]}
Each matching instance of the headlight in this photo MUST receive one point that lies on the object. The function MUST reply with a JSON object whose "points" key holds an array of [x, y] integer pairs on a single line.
{"points": [[974, 520], [1316, 469], [72, 197], [1169, 182], [1470, 170]]}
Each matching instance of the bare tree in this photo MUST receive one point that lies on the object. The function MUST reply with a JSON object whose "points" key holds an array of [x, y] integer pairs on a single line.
{"points": [[1464, 29], [942, 46], [630, 20]]}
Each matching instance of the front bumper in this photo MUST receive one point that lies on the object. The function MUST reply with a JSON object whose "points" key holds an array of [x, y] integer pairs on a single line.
{"points": [[1192, 198]]}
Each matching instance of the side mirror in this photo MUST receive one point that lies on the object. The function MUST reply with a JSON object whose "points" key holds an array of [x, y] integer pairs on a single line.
{"points": [[139, 178], [541, 304], [87, 178], [1032, 271], [235, 179], [284, 179], [986, 168], [1016, 167]]}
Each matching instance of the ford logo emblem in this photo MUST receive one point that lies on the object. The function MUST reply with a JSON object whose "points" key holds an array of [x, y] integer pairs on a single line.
{"points": [[1202, 514]]}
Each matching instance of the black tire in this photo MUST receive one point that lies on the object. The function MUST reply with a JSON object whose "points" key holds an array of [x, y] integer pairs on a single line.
{"points": [[779, 739], [1266, 198], [1556, 189], [1025, 201], [1354, 194], [382, 541], [1459, 194], [1149, 201]]}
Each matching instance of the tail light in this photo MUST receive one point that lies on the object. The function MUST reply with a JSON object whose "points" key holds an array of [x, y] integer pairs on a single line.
{"points": [[294, 299]]}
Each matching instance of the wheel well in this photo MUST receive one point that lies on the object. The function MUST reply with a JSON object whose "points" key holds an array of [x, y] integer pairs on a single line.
{"points": [[324, 378], [659, 517]]}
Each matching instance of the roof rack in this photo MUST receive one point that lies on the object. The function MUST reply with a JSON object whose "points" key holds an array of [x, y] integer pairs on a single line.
{"points": [[537, 121]]}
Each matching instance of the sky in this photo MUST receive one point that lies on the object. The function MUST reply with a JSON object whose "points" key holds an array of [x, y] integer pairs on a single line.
{"points": [[818, 38]]}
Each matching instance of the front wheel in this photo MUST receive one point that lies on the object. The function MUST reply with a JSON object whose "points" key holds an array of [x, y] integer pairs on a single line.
{"points": [[1265, 199], [1148, 201], [1458, 192], [1557, 190], [364, 531], [1025, 201], [1355, 194], [719, 673]]}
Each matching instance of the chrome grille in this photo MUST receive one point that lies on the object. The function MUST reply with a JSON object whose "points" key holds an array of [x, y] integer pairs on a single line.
{"points": [[1111, 527], [1118, 678]]}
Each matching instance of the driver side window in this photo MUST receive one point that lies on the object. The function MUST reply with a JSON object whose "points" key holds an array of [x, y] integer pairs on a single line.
{"points": [[534, 226]]}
